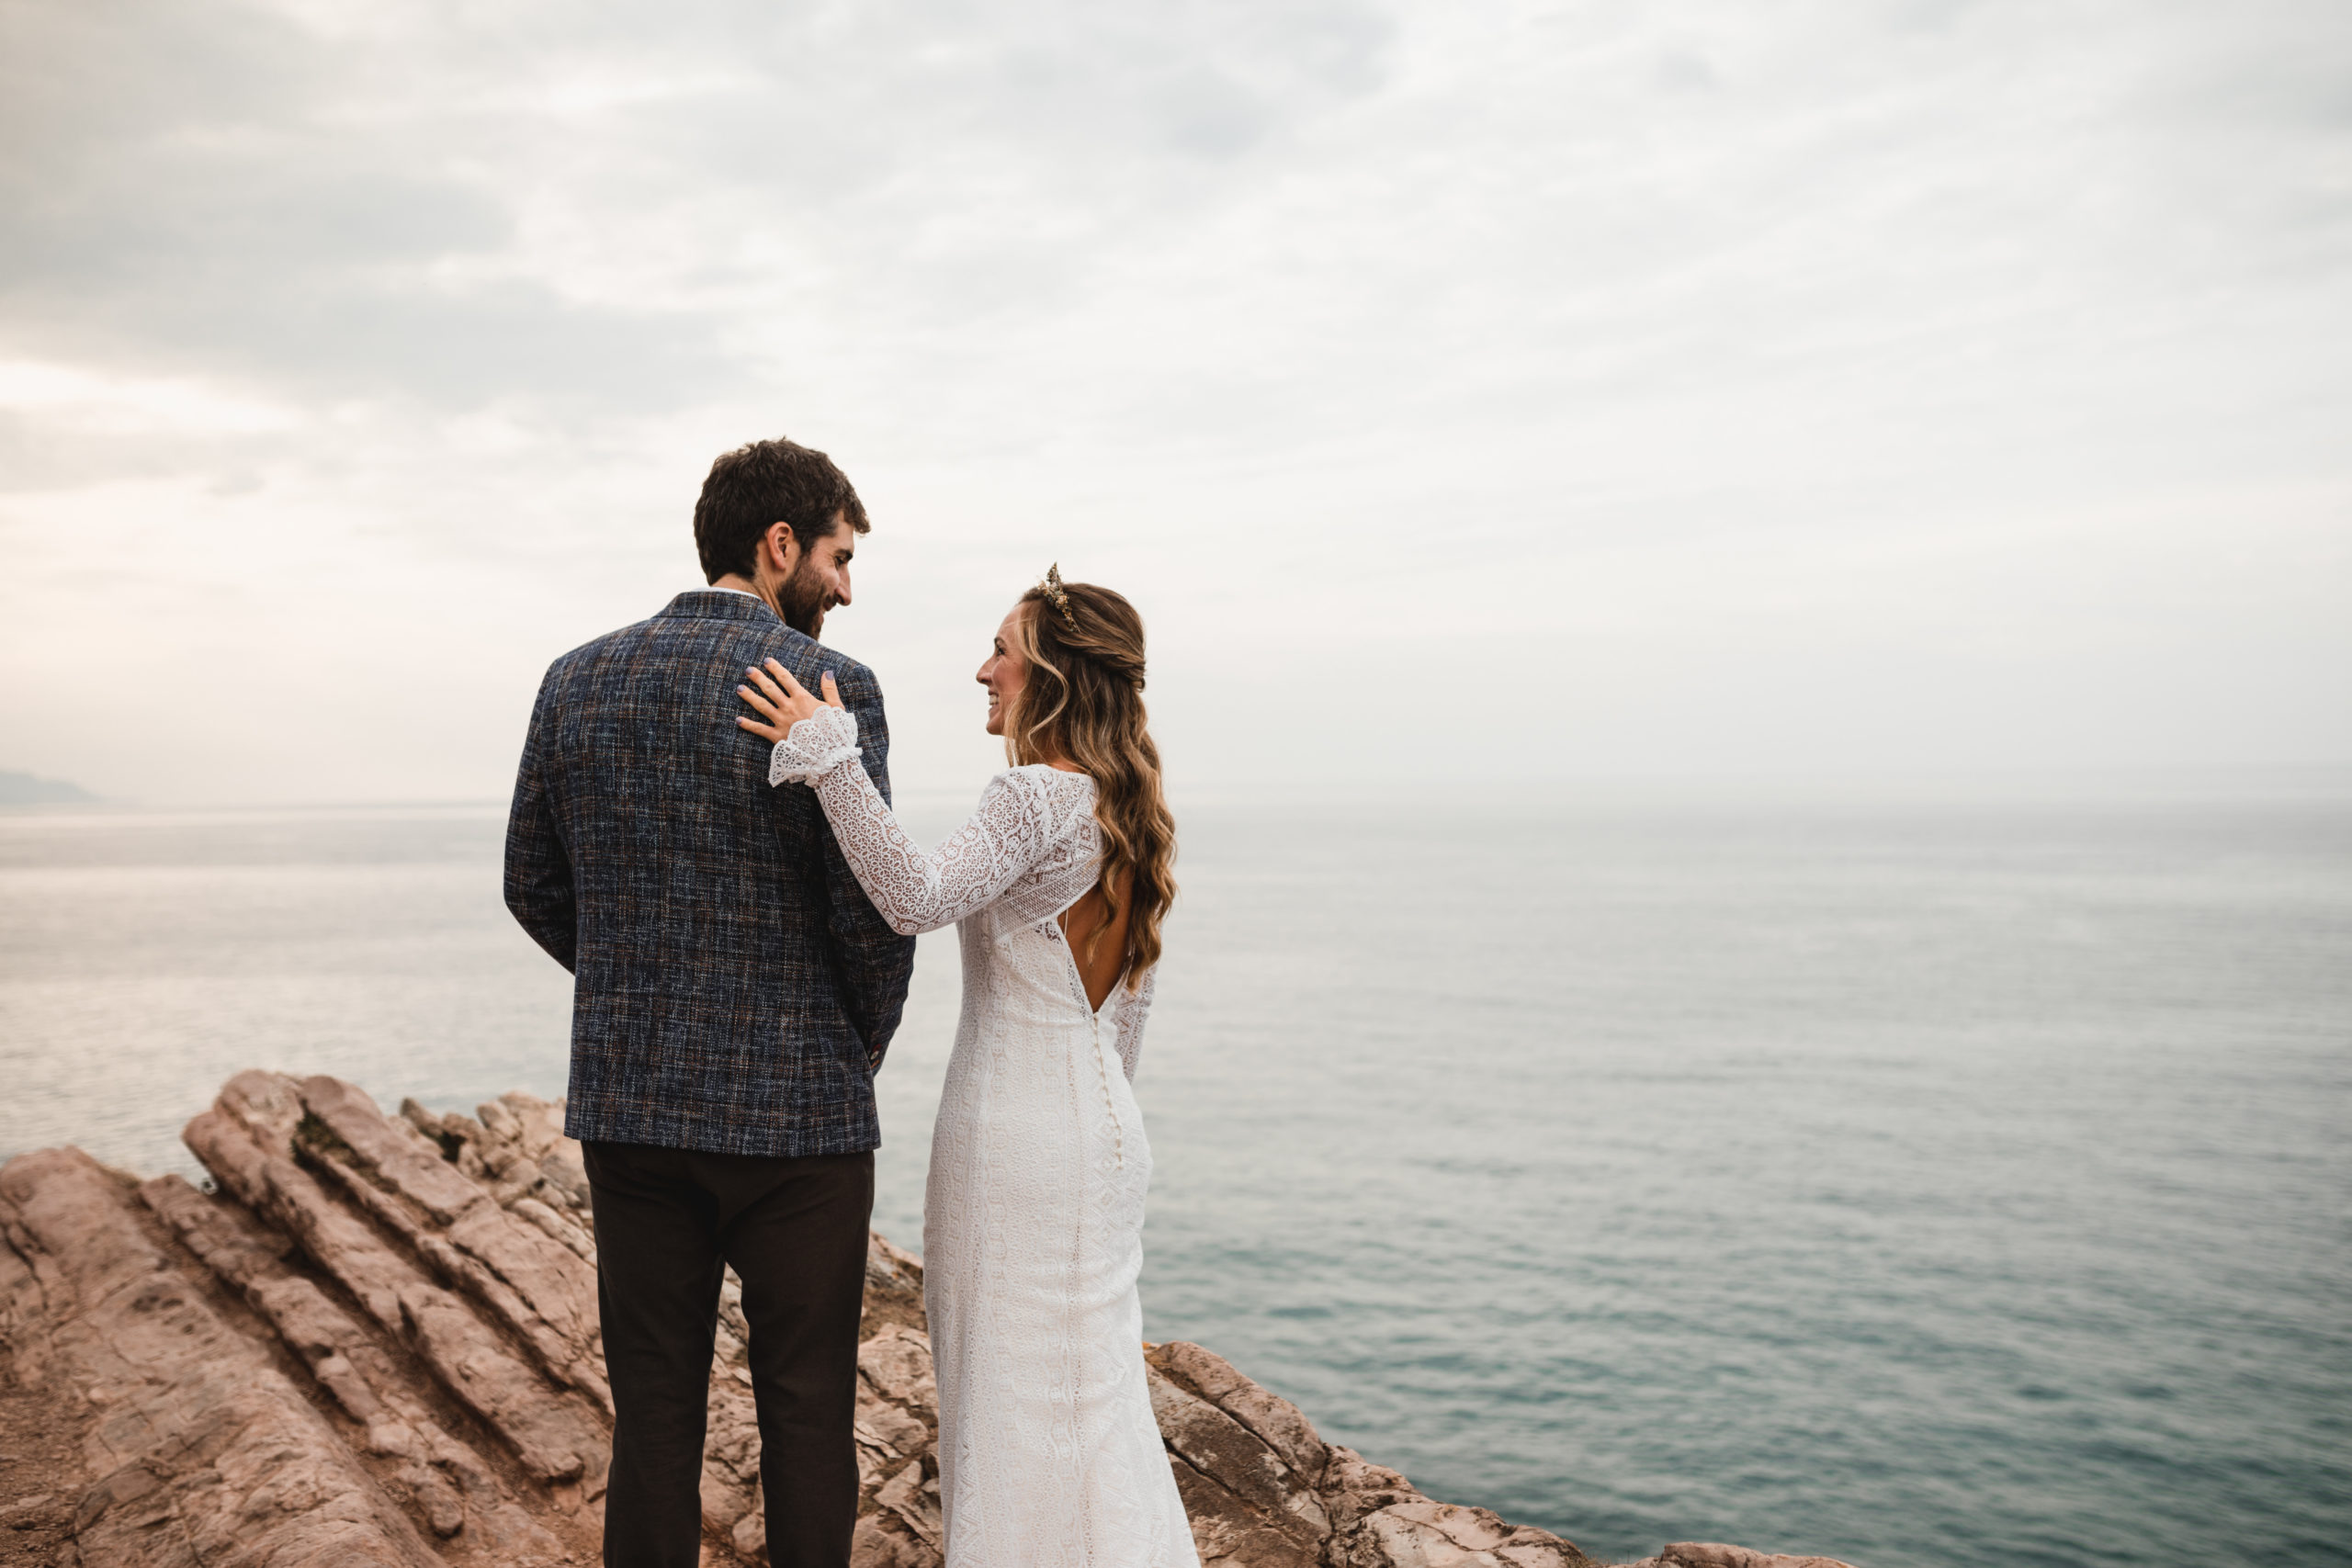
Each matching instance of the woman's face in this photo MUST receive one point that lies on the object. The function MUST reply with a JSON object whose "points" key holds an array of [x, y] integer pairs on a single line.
{"points": [[1004, 671]]}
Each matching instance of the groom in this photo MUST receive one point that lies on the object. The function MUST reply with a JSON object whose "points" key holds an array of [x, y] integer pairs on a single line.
{"points": [[733, 995]]}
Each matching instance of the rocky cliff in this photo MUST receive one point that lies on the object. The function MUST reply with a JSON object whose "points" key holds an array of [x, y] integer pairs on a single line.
{"points": [[372, 1340]]}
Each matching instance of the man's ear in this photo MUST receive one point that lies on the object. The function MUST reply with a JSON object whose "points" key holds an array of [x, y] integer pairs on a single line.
{"points": [[782, 547]]}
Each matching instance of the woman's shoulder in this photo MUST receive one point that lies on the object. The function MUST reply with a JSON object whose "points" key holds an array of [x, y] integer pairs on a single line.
{"points": [[1055, 796], [1042, 776]]}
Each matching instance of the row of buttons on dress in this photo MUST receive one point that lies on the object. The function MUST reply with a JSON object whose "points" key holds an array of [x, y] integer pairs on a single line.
{"points": [[1110, 1105]]}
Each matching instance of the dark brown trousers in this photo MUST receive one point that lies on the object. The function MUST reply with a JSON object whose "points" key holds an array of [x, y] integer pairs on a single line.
{"points": [[668, 1222]]}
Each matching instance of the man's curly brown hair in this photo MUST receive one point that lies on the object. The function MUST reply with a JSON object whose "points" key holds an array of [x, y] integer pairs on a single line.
{"points": [[753, 487]]}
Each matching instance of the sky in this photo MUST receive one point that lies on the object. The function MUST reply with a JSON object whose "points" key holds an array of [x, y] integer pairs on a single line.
{"points": [[1470, 394]]}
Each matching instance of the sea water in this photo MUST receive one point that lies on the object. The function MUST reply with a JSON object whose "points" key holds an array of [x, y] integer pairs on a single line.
{"points": [[1926, 1185]]}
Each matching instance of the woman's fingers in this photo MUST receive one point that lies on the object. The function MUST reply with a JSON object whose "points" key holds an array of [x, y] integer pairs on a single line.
{"points": [[784, 700], [773, 693], [765, 731], [761, 701]]}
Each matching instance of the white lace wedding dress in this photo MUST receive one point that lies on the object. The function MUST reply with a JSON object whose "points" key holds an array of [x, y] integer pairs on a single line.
{"points": [[1033, 1222]]}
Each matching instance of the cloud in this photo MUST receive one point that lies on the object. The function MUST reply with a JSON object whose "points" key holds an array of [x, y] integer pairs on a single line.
{"points": [[63, 396], [1738, 360]]}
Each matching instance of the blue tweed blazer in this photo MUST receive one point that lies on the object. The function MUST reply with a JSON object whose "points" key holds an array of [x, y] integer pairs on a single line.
{"points": [[733, 990]]}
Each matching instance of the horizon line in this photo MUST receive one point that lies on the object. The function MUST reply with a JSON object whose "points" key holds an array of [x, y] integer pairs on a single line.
{"points": [[2306, 777]]}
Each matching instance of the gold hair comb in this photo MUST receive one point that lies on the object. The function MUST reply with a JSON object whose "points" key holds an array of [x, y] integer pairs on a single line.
{"points": [[1055, 591]]}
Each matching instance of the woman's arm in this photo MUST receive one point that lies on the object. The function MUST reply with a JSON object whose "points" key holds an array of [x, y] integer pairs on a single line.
{"points": [[816, 744], [1134, 1008], [875, 961]]}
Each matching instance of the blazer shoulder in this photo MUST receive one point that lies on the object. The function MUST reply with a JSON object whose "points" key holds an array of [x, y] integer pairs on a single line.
{"points": [[809, 658], [588, 652]]}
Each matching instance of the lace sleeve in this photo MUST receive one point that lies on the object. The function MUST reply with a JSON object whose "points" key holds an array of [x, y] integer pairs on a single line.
{"points": [[1133, 1009], [815, 747], [915, 891]]}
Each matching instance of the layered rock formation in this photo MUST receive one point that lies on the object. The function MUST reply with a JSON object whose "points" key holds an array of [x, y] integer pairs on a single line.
{"points": [[374, 1341]]}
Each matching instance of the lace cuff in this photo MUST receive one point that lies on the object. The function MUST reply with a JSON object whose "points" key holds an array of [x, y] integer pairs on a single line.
{"points": [[815, 747]]}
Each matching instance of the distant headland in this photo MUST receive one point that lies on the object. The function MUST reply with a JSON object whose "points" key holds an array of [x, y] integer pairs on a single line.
{"points": [[30, 789]]}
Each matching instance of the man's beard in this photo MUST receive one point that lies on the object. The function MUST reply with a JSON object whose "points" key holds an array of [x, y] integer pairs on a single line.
{"points": [[805, 600]]}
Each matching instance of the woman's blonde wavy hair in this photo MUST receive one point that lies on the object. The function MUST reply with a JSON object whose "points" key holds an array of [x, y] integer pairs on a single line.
{"points": [[1082, 701]]}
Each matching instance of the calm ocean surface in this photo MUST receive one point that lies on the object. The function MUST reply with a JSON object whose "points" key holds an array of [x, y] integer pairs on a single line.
{"points": [[1928, 1186]]}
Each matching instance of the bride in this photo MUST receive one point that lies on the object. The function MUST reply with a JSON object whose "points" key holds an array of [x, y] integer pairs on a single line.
{"points": [[1033, 1222]]}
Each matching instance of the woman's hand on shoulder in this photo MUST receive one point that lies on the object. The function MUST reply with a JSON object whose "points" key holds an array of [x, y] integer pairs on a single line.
{"points": [[782, 701]]}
